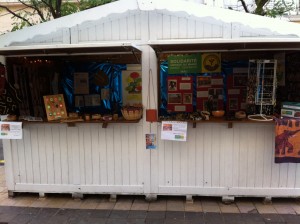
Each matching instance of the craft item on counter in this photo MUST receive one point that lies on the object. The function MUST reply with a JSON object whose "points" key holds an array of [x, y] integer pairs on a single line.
{"points": [[205, 115], [115, 117], [55, 107], [240, 114], [132, 112], [96, 116], [107, 118], [71, 119], [218, 113], [87, 117], [73, 114], [105, 94], [196, 116], [30, 118]]}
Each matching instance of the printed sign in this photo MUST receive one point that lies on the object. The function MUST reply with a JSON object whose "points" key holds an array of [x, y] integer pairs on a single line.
{"points": [[181, 64], [174, 130], [150, 141], [11, 130]]}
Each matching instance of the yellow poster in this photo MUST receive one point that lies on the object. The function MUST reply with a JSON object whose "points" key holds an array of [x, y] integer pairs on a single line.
{"points": [[132, 87], [211, 62]]}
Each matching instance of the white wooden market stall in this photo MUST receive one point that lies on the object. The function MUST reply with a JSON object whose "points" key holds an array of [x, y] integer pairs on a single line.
{"points": [[87, 159]]}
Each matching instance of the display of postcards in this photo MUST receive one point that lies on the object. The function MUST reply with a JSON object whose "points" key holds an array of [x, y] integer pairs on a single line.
{"points": [[79, 101], [187, 98], [185, 86], [240, 80], [81, 83], [172, 85], [174, 98], [216, 93], [92, 100], [203, 81], [105, 94]]}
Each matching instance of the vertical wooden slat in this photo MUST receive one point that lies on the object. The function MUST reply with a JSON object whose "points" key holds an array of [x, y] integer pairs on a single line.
{"points": [[49, 155], [9, 166], [268, 156], [125, 154], [251, 149], [236, 156], [174, 27], [95, 154], [115, 29], [259, 158], [168, 163], [243, 163], [42, 154], [191, 28], [208, 31], [161, 159], [107, 30], [87, 148], [123, 29], [217, 158], [92, 32], [176, 165], [140, 155], [133, 156], [208, 134], [166, 27], [105, 160], [183, 146], [200, 155], [118, 155], [64, 155], [56, 154], [35, 155], [73, 152], [183, 28], [12, 160], [111, 170], [100, 31], [191, 157], [138, 34], [131, 27], [199, 29], [82, 133], [28, 155]]}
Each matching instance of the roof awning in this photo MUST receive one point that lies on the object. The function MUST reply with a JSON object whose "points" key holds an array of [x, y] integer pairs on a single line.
{"points": [[70, 49], [225, 45]]}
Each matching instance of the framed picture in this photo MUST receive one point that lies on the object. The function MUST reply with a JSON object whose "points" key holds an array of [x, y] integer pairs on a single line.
{"points": [[174, 98], [203, 81], [240, 80], [187, 98], [172, 85], [233, 104], [185, 86]]}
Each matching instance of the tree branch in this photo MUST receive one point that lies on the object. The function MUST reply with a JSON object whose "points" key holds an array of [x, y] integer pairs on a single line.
{"points": [[34, 7], [244, 6], [16, 15]]}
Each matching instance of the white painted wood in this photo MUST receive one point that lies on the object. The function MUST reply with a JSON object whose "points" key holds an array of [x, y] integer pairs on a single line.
{"points": [[9, 166], [35, 156]]}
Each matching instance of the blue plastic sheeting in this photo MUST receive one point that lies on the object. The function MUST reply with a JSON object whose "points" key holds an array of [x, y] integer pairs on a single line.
{"points": [[114, 73]]}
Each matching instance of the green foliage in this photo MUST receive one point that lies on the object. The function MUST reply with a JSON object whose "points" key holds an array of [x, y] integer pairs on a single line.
{"points": [[280, 8]]}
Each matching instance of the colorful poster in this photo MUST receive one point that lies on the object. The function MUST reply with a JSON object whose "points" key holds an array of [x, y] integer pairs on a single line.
{"points": [[150, 141], [55, 107], [132, 87], [11, 130], [81, 83], [174, 130], [182, 64]]}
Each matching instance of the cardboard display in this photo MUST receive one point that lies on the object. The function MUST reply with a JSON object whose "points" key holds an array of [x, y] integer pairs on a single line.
{"points": [[55, 107]]}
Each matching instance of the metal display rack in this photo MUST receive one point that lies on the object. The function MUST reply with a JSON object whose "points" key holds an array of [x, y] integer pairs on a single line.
{"points": [[264, 73]]}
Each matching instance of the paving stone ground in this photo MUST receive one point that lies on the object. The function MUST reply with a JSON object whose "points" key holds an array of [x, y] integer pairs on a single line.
{"points": [[95, 209]]}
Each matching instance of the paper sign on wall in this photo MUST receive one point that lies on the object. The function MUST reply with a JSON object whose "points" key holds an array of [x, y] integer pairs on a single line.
{"points": [[11, 130], [174, 130], [150, 141], [132, 87]]}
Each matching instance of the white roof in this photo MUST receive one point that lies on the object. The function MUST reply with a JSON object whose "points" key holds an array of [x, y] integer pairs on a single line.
{"points": [[258, 26]]}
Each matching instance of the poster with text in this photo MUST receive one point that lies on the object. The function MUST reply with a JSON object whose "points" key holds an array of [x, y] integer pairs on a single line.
{"points": [[11, 130], [132, 87], [174, 130], [150, 141]]}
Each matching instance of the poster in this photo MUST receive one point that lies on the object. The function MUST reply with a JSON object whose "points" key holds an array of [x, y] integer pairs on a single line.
{"points": [[81, 83], [132, 87], [55, 107], [174, 130], [150, 141], [181, 64], [211, 62], [11, 130]]}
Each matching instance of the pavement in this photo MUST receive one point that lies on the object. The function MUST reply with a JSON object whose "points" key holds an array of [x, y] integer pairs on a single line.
{"points": [[26, 208]]}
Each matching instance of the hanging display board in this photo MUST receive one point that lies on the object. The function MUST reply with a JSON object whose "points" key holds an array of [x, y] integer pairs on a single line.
{"points": [[11, 130], [182, 64], [237, 90], [132, 87], [180, 94], [81, 83], [210, 89], [211, 62], [55, 107]]}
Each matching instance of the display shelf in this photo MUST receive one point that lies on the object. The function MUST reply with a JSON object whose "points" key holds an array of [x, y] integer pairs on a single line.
{"points": [[223, 120], [73, 123]]}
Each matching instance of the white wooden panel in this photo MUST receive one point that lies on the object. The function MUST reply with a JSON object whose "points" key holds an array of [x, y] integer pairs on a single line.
{"points": [[28, 156], [208, 30], [217, 158], [132, 155], [100, 32], [191, 28], [174, 27], [110, 157], [183, 28], [259, 162], [64, 155], [56, 154], [42, 154], [105, 150], [199, 138], [131, 27], [168, 163], [251, 148], [268, 155], [87, 148], [140, 148], [92, 33], [83, 132], [9, 166], [297, 181], [125, 154], [138, 28], [115, 30], [183, 163], [13, 159], [107, 31], [199, 29], [157, 26], [35, 155], [243, 156], [118, 155], [236, 157], [176, 165], [123, 29], [95, 155], [191, 158], [166, 27], [83, 35], [207, 155], [49, 155], [161, 158], [226, 144]]}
